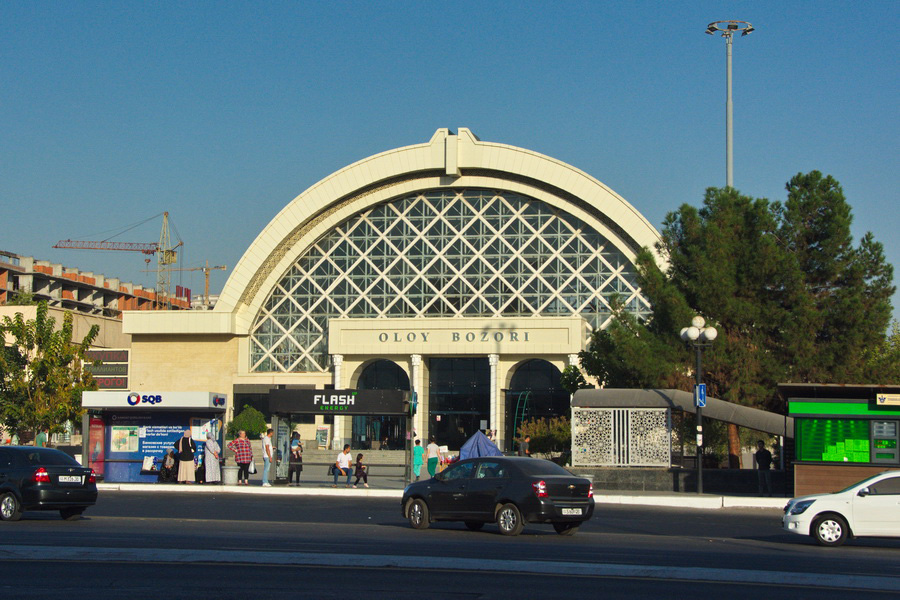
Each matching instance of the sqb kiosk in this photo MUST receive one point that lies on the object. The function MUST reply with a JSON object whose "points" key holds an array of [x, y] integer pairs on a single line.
{"points": [[127, 433]]}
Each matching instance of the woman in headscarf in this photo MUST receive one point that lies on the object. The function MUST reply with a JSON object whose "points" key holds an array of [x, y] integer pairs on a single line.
{"points": [[186, 448], [211, 457], [167, 468]]}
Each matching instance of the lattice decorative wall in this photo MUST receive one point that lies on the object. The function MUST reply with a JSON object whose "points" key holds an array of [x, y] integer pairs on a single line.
{"points": [[620, 437]]}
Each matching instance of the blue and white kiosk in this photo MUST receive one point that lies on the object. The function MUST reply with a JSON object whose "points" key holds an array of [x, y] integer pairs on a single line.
{"points": [[127, 433]]}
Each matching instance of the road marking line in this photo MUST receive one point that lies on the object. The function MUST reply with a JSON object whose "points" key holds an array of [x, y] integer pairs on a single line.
{"points": [[584, 569]]}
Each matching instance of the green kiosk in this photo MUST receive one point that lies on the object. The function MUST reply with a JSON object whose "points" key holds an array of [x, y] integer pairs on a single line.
{"points": [[842, 433]]}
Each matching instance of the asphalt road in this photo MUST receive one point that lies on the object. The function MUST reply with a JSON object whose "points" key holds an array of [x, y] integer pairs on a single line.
{"points": [[181, 545]]}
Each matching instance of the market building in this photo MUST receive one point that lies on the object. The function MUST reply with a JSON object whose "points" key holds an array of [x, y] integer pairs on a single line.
{"points": [[468, 273]]}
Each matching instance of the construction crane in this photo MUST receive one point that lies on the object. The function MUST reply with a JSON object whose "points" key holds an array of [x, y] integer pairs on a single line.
{"points": [[163, 250], [206, 271]]}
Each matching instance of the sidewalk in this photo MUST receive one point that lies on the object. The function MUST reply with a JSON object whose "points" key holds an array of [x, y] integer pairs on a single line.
{"points": [[394, 489]]}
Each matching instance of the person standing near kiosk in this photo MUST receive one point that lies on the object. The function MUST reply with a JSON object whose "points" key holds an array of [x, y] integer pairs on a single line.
{"points": [[186, 448]]}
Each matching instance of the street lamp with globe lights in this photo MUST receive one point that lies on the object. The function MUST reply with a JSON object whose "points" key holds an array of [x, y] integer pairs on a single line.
{"points": [[699, 336]]}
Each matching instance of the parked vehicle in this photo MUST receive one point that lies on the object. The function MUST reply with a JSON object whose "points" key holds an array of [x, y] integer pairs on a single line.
{"points": [[43, 479], [869, 508], [508, 491]]}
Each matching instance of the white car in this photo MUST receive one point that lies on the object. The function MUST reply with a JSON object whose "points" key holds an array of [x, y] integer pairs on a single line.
{"points": [[869, 508]]}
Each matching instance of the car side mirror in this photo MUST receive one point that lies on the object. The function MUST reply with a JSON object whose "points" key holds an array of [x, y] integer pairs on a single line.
{"points": [[863, 492]]}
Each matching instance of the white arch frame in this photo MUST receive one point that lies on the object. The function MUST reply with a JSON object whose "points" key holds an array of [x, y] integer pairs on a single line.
{"points": [[447, 160]]}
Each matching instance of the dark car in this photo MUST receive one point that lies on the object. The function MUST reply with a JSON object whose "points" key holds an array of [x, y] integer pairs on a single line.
{"points": [[43, 479], [504, 490]]}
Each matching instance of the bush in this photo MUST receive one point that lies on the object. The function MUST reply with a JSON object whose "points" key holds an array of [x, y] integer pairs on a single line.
{"points": [[547, 435], [250, 420]]}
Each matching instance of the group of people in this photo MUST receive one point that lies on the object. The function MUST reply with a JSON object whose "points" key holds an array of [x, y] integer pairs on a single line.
{"points": [[178, 463], [344, 466], [243, 456]]}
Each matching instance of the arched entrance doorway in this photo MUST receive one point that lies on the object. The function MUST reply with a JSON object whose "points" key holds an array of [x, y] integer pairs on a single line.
{"points": [[459, 398], [534, 393], [381, 432]]}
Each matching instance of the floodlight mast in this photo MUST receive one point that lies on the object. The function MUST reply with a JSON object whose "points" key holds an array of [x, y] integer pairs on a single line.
{"points": [[727, 30]]}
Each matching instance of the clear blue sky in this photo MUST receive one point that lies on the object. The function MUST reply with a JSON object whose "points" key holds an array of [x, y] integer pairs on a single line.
{"points": [[222, 112]]}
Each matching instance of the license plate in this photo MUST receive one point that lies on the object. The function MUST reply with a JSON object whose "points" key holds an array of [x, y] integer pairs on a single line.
{"points": [[70, 478], [571, 511]]}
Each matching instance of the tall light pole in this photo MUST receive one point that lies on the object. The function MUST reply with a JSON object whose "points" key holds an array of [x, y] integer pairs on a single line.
{"points": [[728, 29], [699, 336]]}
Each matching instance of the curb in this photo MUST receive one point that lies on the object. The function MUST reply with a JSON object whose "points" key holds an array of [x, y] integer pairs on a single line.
{"points": [[702, 502], [249, 490]]}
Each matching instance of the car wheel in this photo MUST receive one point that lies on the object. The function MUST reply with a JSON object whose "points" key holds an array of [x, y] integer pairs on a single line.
{"points": [[474, 525], [830, 530], [418, 514], [566, 528], [10, 508], [509, 520], [70, 513]]}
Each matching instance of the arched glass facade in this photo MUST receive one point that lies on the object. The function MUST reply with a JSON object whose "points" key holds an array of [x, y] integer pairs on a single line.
{"points": [[441, 253]]}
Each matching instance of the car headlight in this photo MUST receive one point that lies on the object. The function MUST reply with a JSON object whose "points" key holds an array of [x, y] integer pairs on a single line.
{"points": [[800, 507]]}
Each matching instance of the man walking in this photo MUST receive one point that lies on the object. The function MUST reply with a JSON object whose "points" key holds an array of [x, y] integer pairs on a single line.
{"points": [[763, 460], [267, 457]]}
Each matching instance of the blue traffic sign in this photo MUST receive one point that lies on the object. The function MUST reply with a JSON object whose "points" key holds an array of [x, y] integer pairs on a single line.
{"points": [[700, 395]]}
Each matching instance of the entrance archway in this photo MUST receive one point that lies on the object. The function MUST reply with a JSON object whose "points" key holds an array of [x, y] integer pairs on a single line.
{"points": [[459, 398], [380, 432], [534, 393]]}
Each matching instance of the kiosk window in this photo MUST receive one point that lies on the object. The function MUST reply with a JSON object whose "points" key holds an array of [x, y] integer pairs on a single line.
{"points": [[833, 440], [886, 486]]}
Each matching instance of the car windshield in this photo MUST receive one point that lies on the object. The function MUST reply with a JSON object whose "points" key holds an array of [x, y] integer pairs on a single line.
{"points": [[537, 466], [49, 457], [858, 483]]}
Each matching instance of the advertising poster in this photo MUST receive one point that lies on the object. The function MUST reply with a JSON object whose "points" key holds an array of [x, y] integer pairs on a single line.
{"points": [[96, 444], [123, 439]]}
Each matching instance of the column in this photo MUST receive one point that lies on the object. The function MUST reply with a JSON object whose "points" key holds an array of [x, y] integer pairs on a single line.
{"points": [[494, 360], [415, 385], [337, 431]]}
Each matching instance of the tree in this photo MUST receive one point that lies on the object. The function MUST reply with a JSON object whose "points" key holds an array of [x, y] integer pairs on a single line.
{"points": [[883, 360], [250, 420], [792, 299], [838, 296], [42, 374], [571, 379]]}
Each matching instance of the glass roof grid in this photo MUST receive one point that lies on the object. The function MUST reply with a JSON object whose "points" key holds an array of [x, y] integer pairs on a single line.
{"points": [[477, 307], [460, 252]]}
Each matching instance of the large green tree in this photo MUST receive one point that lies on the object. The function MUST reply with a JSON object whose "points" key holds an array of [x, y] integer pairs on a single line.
{"points": [[42, 372], [791, 296]]}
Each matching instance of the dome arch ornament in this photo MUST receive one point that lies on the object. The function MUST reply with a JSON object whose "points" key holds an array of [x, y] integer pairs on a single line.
{"points": [[447, 161]]}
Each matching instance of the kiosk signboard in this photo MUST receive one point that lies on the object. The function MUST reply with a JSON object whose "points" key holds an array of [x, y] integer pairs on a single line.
{"points": [[339, 402]]}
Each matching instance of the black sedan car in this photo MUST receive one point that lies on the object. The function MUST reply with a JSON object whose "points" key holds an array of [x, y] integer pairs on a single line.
{"points": [[509, 491], [43, 479]]}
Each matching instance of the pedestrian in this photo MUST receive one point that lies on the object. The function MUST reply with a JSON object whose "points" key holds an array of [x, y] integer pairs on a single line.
{"points": [[418, 458], [267, 457], [211, 451], [295, 463], [40, 440], [524, 446], [186, 447], [763, 459], [342, 465], [433, 455], [243, 456], [167, 473], [362, 471]]}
